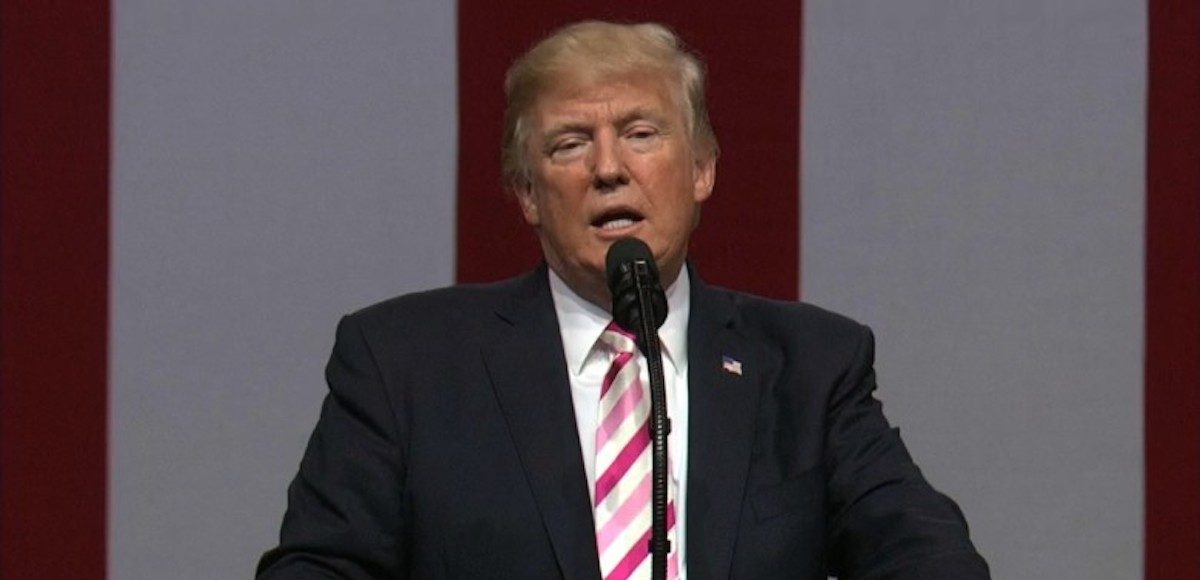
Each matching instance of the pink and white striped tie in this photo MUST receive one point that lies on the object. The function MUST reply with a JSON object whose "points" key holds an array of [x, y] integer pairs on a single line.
{"points": [[623, 493]]}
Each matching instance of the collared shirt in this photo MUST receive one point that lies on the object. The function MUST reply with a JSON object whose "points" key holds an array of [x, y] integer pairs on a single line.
{"points": [[580, 324]]}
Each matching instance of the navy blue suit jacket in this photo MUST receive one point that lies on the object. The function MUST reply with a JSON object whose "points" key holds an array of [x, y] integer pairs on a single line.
{"points": [[447, 448]]}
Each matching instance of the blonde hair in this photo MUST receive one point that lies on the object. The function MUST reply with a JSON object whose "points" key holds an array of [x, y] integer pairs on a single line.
{"points": [[592, 51]]}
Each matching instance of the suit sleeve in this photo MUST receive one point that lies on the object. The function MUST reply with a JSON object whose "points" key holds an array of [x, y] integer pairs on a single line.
{"points": [[345, 515], [886, 521]]}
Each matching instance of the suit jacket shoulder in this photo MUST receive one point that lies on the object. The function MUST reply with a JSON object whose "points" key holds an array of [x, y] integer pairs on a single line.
{"points": [[803, 338], [464, 307]]}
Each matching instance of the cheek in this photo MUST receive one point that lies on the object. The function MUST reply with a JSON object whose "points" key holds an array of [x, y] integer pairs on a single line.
{"points": [[557, 211], [675, 196]]}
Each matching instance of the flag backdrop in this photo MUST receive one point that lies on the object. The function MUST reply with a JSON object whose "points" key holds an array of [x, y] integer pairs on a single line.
{"points": [[193, 193]]}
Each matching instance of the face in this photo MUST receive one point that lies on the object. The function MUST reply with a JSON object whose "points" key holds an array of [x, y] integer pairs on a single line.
{"points": [[610, 160]]}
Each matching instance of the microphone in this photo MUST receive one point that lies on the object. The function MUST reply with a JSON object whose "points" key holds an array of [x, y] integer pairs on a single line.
{"points": [[630, 265], [640, 305]]}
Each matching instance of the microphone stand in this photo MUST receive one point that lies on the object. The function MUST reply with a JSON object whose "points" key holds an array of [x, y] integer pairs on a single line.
{"points": [[660, 425]]}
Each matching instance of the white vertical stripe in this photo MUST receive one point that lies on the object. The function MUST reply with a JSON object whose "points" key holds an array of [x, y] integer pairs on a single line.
{"points": [[973, 189], [276, 164]]}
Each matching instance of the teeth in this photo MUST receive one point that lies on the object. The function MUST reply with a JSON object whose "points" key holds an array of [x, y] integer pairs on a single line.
{"points": [[617, 224]]}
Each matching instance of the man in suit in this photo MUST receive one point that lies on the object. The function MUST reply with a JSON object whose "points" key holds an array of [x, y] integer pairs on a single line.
{"points": [[471, 432]]}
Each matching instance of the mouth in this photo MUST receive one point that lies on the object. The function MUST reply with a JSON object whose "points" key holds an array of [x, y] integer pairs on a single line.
{"points": [[617, 220]]}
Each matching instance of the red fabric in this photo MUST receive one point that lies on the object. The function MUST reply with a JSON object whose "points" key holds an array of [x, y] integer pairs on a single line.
{"points": [[1172, 403], [54, 286], [750, 235]]}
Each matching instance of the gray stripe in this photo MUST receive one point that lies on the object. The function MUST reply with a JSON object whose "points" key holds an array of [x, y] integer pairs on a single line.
{"points": [[973, 189], [276, 164]]}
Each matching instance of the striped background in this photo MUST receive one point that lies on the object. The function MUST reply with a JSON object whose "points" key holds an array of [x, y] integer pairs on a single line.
{"points": [[193, 193]]}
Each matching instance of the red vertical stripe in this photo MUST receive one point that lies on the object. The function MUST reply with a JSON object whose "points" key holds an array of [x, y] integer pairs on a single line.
{"points": [[53, 282], [1173, 292], [749, 237]]}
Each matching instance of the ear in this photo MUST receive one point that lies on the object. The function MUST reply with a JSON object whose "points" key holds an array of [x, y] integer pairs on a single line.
{"points": [[706, 178], [528, 200]]}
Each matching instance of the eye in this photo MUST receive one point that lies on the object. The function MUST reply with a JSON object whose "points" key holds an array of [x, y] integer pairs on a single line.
{"points": [[566, 147], [641, 133], [643, 137]]}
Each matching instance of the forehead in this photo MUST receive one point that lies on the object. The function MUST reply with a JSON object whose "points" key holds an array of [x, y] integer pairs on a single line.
{"points": [[575, 100]]}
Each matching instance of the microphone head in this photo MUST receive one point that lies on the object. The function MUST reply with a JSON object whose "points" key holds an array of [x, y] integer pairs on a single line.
{"points": [[619, 265], [627, 251]]}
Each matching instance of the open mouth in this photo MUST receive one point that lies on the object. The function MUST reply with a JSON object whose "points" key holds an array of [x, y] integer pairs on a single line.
{"points": [[616, 220]]}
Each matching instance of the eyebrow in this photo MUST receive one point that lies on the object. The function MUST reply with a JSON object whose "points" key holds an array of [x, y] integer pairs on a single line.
{"points": [[633, 115], [640, 114], [569, 127]]}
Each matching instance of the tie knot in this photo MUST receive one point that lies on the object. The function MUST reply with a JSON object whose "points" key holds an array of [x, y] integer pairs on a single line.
{"points": [[619, 339]]}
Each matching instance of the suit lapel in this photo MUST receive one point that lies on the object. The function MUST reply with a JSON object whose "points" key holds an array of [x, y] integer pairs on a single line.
{"points": [[723, 409], [528, 372]]}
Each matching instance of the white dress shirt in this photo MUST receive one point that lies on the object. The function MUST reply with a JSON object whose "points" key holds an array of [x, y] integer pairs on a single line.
{"points": [[580, 323]]}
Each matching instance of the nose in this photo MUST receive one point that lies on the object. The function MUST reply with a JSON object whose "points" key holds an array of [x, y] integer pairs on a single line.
{"points": [[608, 167]]}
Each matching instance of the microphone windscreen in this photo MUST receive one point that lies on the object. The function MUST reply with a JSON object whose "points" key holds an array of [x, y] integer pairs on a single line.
{"points": [[623, 285], [627, 251]]}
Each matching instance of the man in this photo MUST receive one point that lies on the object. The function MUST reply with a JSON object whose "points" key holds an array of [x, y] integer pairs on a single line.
{"points": [[497, 431]]}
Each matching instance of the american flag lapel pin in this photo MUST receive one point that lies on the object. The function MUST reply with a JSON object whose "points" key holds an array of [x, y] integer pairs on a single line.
{"points": [[731, 365]]}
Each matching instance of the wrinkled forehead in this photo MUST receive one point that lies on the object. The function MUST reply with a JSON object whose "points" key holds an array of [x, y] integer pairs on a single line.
{"points": [[641, 88]]}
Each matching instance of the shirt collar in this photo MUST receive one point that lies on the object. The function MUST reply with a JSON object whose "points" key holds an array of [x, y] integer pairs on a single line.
{"points": [[580, 322]]}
